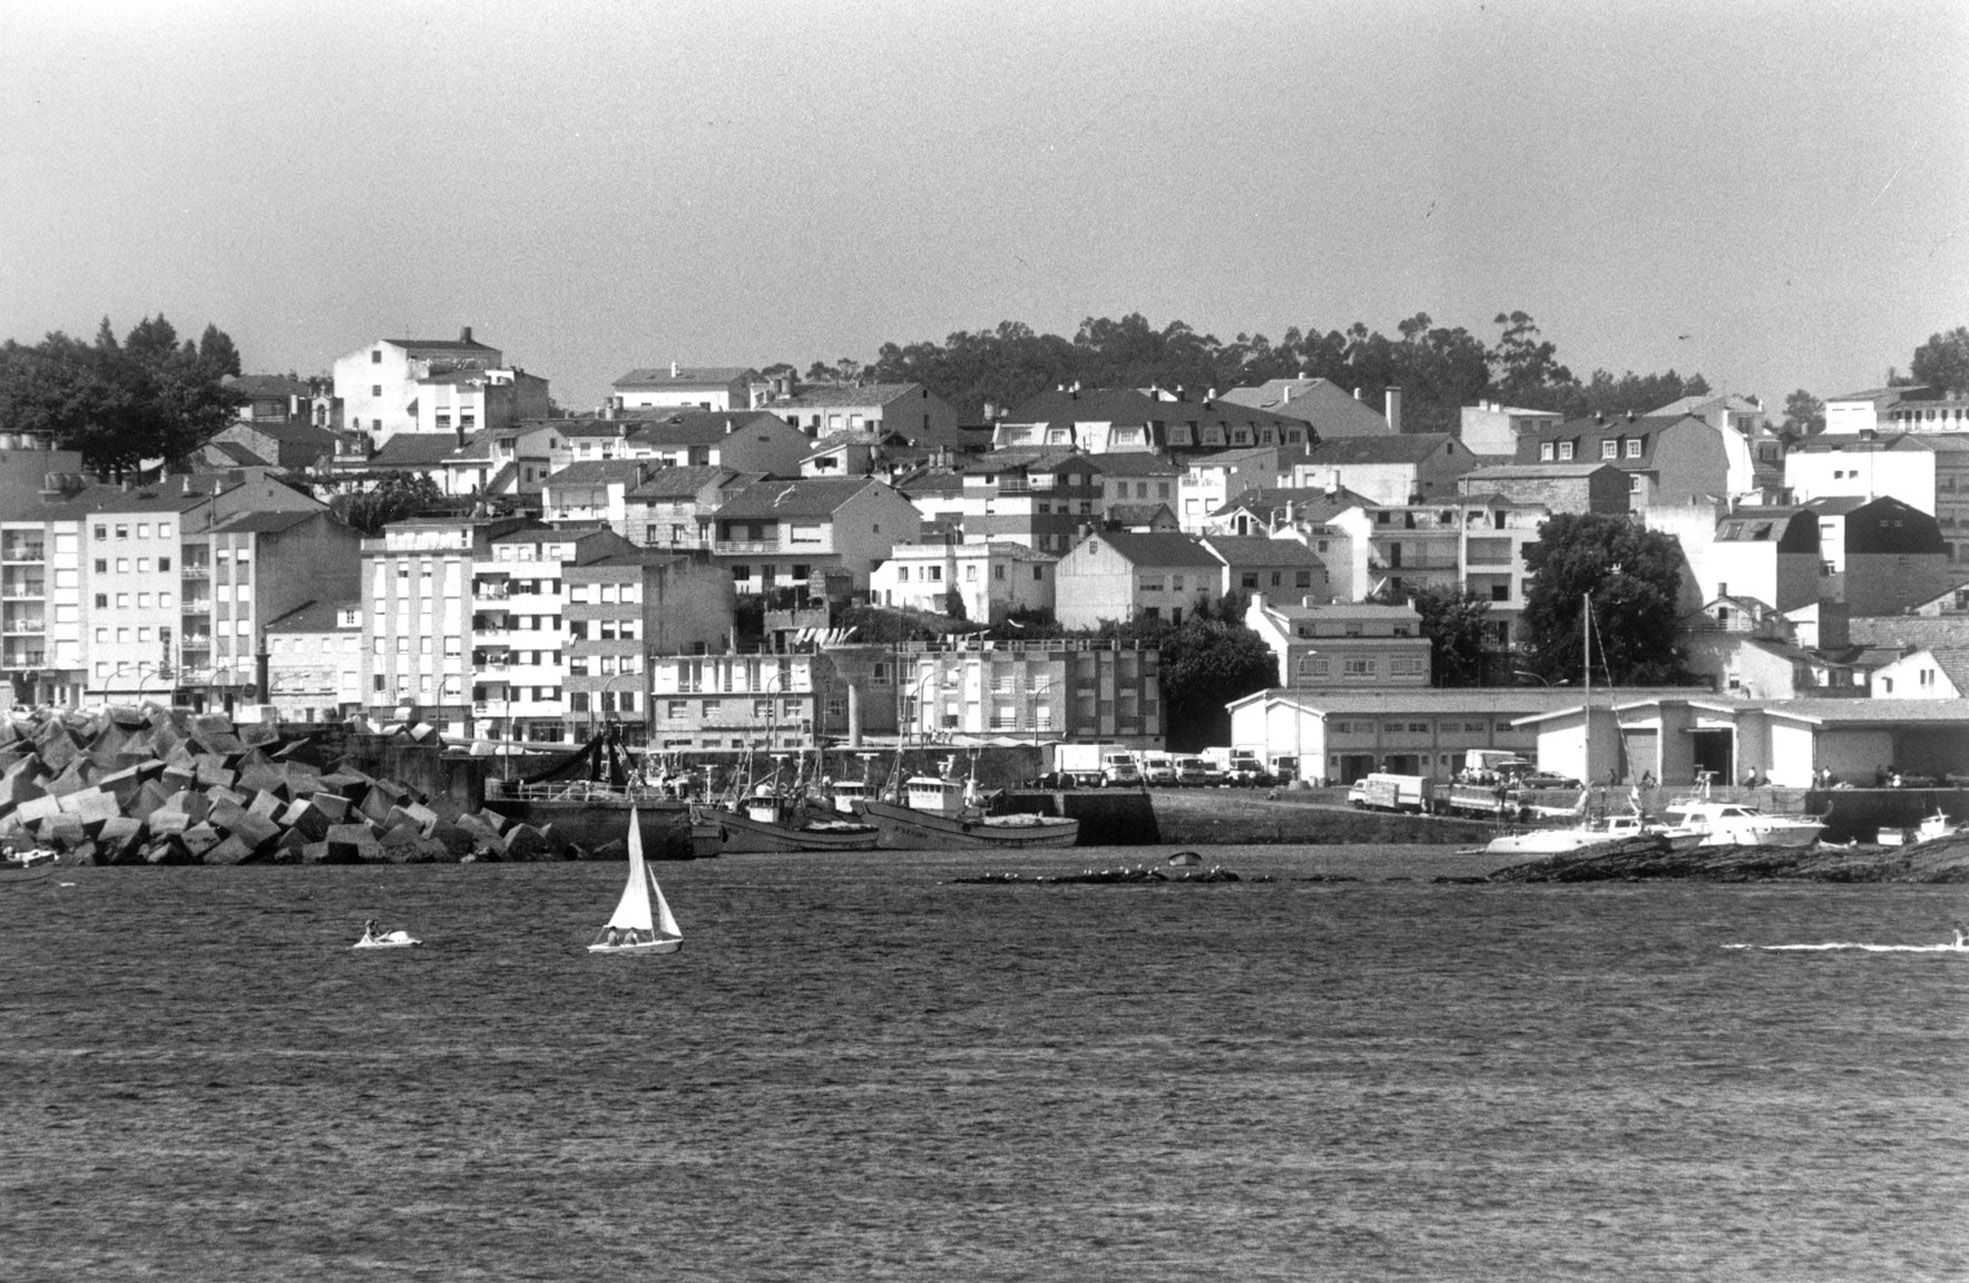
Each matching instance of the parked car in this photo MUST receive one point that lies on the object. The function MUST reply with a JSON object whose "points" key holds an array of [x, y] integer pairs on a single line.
{"points": [[1158, 769]]}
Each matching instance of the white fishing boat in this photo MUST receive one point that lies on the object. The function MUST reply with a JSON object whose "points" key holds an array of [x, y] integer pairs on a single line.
{"points": [[642, 921], [1933, 828], [374, 939]]}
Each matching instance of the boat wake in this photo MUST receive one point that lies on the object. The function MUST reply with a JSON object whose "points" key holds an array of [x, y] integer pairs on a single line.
{"points": [[1855, 946]]}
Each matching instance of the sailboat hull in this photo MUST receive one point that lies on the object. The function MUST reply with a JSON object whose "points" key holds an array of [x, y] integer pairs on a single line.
{"points": [[717, 831], [904, 828], [647, 946]]}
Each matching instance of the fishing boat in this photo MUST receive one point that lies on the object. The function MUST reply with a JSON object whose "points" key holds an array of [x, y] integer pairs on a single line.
{"points": [[1934, 828], [771, 821], [944, 813], [642, 921]]}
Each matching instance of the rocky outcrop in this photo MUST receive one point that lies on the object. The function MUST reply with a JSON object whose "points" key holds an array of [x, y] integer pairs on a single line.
{"points": [[158, 785], [1946, 860]]}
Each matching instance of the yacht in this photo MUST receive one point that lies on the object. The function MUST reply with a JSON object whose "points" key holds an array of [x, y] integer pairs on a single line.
{"points": [[1722, 824]]}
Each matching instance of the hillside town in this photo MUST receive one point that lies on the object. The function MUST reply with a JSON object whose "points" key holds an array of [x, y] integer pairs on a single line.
{"points": [[675, 567]]}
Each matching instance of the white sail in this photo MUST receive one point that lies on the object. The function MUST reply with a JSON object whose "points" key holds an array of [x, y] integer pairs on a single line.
{"points": [[666, 925], [632, 913]]}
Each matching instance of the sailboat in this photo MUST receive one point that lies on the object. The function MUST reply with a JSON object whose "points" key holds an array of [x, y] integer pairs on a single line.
{"points": [[642, 921], [1587, 829]]}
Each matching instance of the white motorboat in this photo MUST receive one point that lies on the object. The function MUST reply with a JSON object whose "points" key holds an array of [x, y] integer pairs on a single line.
{"points": [[1592, 832], [374, 939], [1931, 829], [1739, 824]]}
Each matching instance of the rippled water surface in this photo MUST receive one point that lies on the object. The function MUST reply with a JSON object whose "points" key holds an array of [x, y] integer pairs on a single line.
{"points": [[856, 1069]]}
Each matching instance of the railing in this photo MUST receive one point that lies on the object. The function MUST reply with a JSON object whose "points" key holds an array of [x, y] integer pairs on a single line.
{"points": [[38, 624], [23, 552], [575, 791], [23, 592], [749, 547]]}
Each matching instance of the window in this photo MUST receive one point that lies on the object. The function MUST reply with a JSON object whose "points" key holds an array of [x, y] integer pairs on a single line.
{"points": [[376, 358], [1565, 451], [376, 389], [102, 565], [1610, 449], [1634, 448], [1545, 452]]}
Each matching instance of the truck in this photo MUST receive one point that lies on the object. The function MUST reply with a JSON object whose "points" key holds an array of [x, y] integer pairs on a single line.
{"points": [[1488, 784], [1240, 766], [1384, 792], [1158, 768], [1193, 771], [1095, 765]]}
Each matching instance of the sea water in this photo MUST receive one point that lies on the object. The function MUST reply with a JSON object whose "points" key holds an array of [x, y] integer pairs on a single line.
{"points": [[859, 1068]]}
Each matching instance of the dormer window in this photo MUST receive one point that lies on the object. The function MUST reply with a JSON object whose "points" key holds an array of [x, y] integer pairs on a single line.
{"points": [[1545, 452], [1610, 449], [1565, 451], [1634, 447]]}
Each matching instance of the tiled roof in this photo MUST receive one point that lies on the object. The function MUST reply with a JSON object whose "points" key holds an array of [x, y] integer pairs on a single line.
{"points": [[685, 376], [824, 396], [1134, 464], [1138, 514], [1241, 550], [1156, 549], [440, 345], [589, 472], [681, 483], [265, 523], [316, 617], [414, 450], [1308, 502], [807, 497], [105, 498], [239, 454], [1394, 447], [1526, 471], [698, 427], [1320, 402]]}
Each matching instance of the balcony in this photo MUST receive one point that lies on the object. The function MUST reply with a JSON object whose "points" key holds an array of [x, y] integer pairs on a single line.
{"points": [[32, 624], [23, 550], [748, 547], [33, 590]]}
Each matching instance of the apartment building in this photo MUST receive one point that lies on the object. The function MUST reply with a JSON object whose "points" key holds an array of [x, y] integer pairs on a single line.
{"points": [[314, 661], [377, 386], [622, 606], [1342, 646], [1038, 691], [991, 579]]}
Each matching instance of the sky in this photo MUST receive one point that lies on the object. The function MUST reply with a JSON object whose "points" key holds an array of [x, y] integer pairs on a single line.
{"points": [[1773, 194]]}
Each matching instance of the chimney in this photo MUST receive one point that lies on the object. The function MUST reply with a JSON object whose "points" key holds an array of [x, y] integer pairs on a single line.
{"points": [[1357, 394], [1285, 396], [1599, 418], [465, 335], [1393, 401], [1630, 416], [673, 369]]}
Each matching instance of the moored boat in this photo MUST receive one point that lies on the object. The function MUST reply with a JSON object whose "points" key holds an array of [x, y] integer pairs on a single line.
{"points": [[943, 814], [770, 822], [1739, 824]]}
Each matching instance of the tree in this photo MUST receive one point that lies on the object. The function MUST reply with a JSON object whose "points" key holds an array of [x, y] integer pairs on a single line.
{"points": [[1456, 623], [1525, 369], [120, 404], [393, 498], [1633, 576], [1207, 663], [1804, 415], [1943, 362], [953, 603], [215, 349]]}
